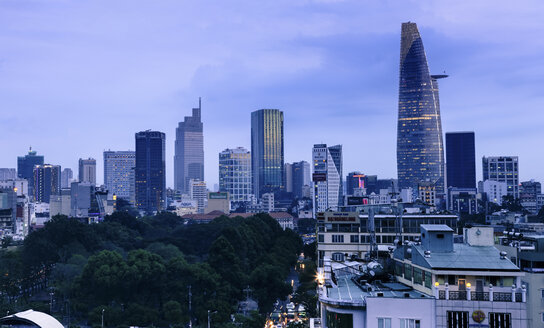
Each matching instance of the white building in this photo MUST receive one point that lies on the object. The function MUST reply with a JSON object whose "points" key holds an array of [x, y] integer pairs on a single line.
{"points": [[502, 169], [8, 174], [199, 193], [494, 190], [267, 202], [327, 177], [119, 173], [87, 170], [235, 174]]}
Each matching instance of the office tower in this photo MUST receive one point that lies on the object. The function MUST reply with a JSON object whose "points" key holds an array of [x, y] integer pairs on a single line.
{"points": [[502, 169], [420, 151], [460, 160], [149, 174], [355, 180], [288, 176], [66, 177], [301, 177], [87, 170], [528, 195], [267, 151], [494, 191], [198, 192], [46, 182], [25, 167], [119, 173], [7, 174], [189, 152], [235, 174], [8, 210], [327, 177]]}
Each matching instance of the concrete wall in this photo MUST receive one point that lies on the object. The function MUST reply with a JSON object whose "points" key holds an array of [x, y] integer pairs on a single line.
{"points": [[518, 311], [397, 308]]}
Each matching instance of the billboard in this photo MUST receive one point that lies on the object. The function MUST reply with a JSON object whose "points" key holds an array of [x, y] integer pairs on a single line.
{"points": [[218, 195], [316, 177]]}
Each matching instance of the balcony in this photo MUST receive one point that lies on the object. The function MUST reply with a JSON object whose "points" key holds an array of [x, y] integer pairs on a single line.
{"points": [[514, 296]]}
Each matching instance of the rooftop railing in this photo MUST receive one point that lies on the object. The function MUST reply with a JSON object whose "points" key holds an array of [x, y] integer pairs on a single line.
{"points": [[514, 296]]}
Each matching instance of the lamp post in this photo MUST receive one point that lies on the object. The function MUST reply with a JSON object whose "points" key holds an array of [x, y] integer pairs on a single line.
{"points": [[209, 312], [103, 317]]}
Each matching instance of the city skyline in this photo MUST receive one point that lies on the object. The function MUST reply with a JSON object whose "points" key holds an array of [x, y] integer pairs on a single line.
{"points": [[474, 51]]}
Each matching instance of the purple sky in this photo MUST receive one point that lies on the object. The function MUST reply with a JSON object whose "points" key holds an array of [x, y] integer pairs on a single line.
{"points": [[80, 77]]}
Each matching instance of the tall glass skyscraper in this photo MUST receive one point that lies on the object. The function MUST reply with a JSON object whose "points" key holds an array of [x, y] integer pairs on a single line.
{"points": [[235, 174], [189, 152], [46, 182], [327, 177], [460, 160], [420, 150], [267, 163], [25, 167], [119, 173], [149, 174]]}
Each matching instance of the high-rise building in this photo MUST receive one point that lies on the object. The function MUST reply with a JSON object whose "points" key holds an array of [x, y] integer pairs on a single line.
{"points": [[502, 169], [119, 173], [420, 151], [327, 177], [494, 191], [25, 167], [149, 174], [528, 194], [66, 177], [87, 170], [301, 177], [7, 174], [189, 152], [235, 174], [288, 176], [460, 160], [267, 163], [355, 180], [198, 192], [46, 182]]}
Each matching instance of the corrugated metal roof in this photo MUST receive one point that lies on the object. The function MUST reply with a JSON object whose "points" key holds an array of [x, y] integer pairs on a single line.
{"points": [[436, 227], [466, 257]]}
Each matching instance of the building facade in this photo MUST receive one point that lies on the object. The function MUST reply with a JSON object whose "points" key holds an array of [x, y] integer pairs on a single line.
{"points": [[302, 177], [7, 174], [25, 167], [267, 161], [494, 191], [87, 170], [341, 233], [460, 160], [119, 173], [420, 151], [502, 169], [327, 177], [528, 195], [198, 192], [149, 174], [235, 174], [189, 151], [66, 177], [46, 182]]}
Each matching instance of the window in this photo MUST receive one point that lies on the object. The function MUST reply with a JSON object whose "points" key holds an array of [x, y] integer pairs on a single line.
{"points": [[321, 238], [418, 276], [354, 238], [337, 238], [541, 292], [407, 271], [428, 279], [338, 257], [457, 319], [339, 320], [499, 320], [384, 322], [410, 323], [398, 268]]}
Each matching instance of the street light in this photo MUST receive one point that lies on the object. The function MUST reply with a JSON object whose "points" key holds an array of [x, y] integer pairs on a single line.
{"points": [[103, 317], [209, 312]]}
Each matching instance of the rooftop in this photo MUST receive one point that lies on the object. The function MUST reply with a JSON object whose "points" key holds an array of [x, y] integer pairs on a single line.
{"points": [[463, 257], [436, 227]]}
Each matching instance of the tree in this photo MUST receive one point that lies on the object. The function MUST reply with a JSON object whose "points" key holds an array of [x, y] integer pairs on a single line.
{"points": [[6, 241], [172, 312]]}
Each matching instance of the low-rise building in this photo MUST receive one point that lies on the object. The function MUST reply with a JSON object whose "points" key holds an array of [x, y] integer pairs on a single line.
{"points": [[349, 234], [474, 284]]}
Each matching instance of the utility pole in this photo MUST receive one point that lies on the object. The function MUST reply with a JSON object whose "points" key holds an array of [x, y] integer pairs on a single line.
{"points": [[190, 313]]}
